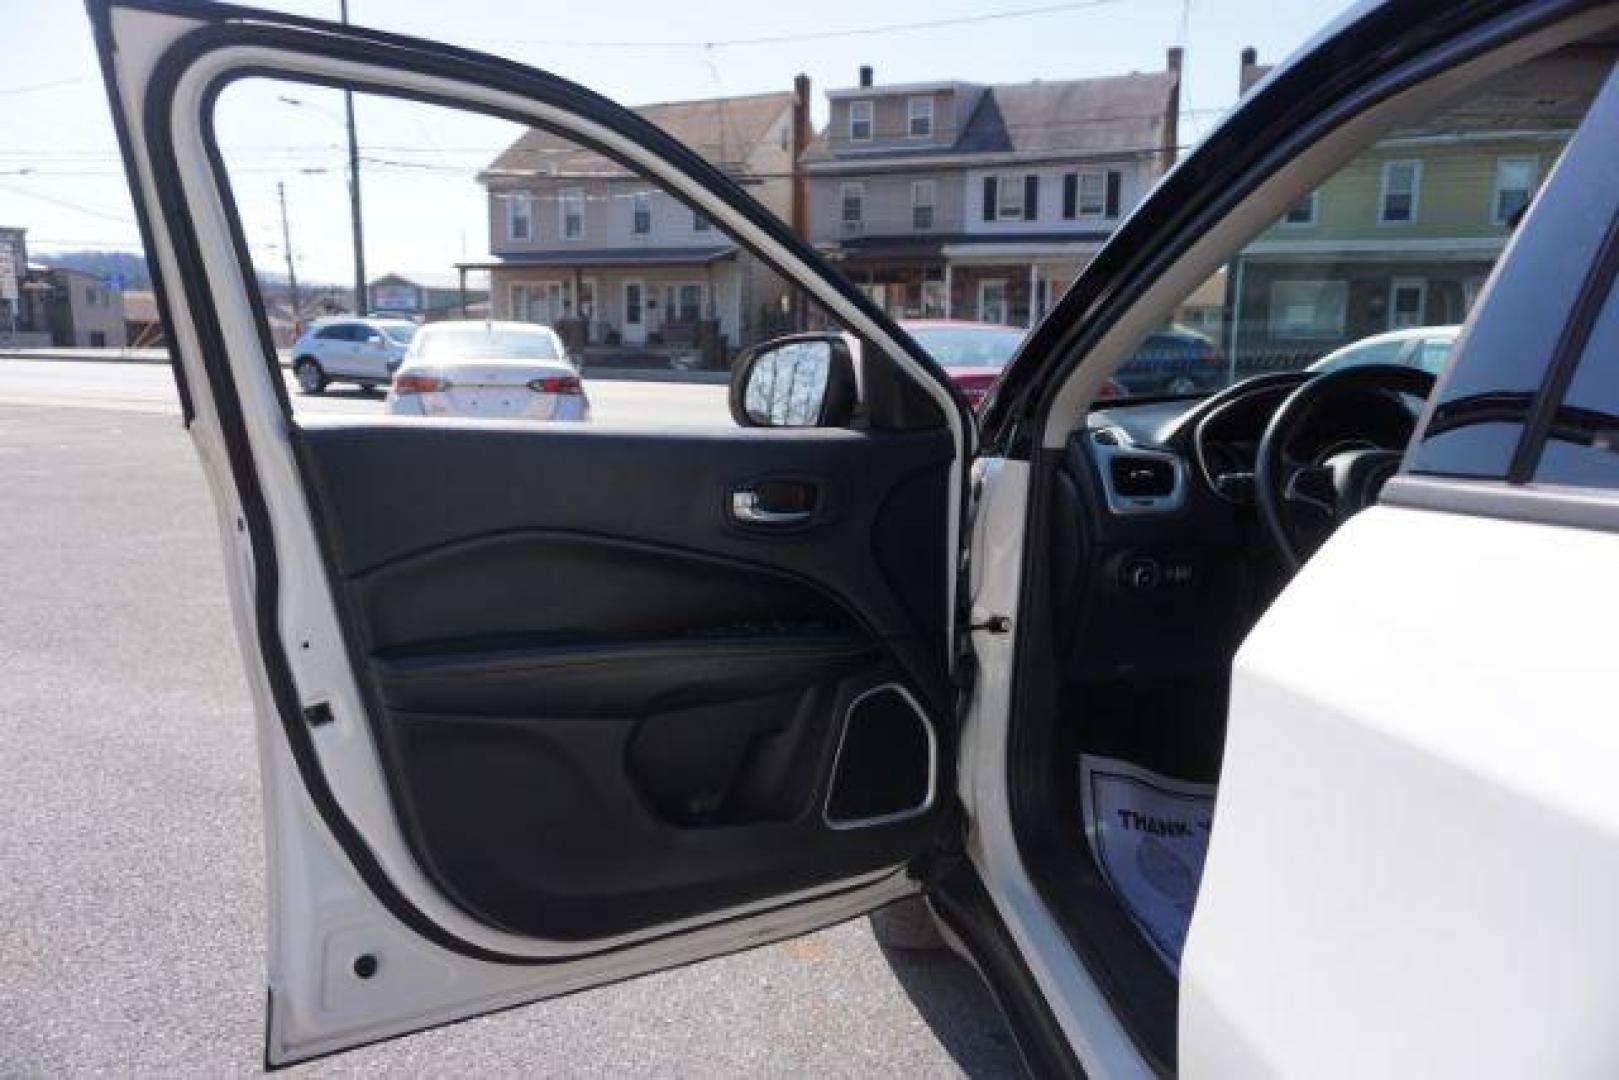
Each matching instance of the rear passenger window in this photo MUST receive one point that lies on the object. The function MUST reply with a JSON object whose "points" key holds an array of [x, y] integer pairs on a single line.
{"points": [[1582, 447]]}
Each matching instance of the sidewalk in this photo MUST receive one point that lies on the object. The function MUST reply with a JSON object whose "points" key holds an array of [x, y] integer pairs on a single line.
{"points": [[161, 356]]}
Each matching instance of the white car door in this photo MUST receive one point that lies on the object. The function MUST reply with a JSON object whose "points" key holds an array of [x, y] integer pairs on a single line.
{"points": [[546, 707], [1415, 862]]}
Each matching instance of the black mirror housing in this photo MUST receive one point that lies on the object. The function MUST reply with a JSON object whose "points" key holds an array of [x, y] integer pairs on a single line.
{"points": [[799, 380]]}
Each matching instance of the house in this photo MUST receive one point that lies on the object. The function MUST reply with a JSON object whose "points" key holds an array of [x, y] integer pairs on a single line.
{"points": [[143, 328], [616, 264], [82, 310], [1407, 232], [23, 319], [951, 199], [424, 296]]}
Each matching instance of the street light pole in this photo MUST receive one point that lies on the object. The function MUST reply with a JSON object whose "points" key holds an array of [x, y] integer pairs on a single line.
{"points": [[286, 245], [361, 299]]}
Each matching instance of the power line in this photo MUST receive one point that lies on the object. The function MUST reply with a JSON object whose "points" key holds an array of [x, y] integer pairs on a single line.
{"points": [[31, 87], [816, 35]]}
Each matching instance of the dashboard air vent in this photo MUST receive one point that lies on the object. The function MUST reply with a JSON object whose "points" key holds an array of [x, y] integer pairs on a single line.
{"points": [[1141, 477]]}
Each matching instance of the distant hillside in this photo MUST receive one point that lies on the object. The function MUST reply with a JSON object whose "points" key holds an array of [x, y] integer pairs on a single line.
{"points": [[103, 264]]}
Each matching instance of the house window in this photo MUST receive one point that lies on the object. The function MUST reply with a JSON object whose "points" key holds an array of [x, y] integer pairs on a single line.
{"points": [[924, 194], [860, 121], [1092, 196], [683, 303], [520, 217], [1304, 211], [1007, 198], [1402, 181], [853, 214], [1308, 309], [699, 222], [919, 117], [992, 300], [641, 213], [1470, 290], [1408, 300], [933, 299], [1091, 193], [1514, 184], [571, 203], [537, 302]]}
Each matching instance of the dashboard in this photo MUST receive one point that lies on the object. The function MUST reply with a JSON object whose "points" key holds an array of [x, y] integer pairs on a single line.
{"points": [[1171, 564]]}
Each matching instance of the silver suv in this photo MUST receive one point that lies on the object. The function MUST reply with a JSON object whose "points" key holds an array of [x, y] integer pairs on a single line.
{"points": [[349, 349]]}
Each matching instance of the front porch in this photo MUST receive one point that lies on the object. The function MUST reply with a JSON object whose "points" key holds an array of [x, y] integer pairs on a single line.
{"points": [[645, 308]]}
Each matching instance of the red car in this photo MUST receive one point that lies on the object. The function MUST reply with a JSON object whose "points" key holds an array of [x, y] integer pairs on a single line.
{"points": [[973, 353]]}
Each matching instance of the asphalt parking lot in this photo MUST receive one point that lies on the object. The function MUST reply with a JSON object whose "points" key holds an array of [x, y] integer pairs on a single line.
{"points": [[131, 902]]}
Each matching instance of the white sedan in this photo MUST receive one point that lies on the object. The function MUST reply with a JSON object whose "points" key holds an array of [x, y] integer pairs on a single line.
{"points": [[492, 370]]}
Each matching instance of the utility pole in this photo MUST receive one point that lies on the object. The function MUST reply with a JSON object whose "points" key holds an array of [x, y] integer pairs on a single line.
{"points": [[286, 246], [361, 299]]}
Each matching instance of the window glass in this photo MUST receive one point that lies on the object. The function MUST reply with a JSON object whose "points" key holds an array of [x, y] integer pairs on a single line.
{"points": [[1582, 448], [1514, 184], [1397, 240], [1432, 355], [919, 113], [923, 195], [646, 297], [860, 113], [1399, 198]]}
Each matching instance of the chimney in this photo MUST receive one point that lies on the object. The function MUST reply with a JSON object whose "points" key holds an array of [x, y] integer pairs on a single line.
{"points": [[1250, 71], [865, 75], [1174, 59], [802, 133]]}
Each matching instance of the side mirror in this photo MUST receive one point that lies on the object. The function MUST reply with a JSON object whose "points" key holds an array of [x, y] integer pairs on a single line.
{"points": [[805, 380]]}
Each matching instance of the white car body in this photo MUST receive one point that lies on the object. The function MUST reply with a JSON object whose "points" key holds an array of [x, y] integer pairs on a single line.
{"points": [[363, 351], [466, 369]]}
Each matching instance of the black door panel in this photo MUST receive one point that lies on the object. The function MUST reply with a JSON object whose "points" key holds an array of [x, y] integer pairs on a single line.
{"points": [[604, 705]]}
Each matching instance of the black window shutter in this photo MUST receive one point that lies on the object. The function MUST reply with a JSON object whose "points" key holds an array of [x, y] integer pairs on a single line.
{"points": [[1113, 179], [989, 198], [1070, 196], [1031, 197]]}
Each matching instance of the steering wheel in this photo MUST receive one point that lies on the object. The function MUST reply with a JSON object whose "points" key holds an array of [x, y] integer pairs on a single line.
{"points": [[1301, 502]]}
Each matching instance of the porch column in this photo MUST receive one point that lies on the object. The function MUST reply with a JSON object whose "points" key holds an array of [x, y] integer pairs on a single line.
{"points": [[1034, 292], [949, 291]]}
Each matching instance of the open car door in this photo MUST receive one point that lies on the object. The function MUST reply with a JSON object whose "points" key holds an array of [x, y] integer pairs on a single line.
{"points": [[540, 706]]}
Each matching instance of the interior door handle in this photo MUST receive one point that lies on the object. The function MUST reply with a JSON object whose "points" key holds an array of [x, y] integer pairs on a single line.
{"points": [[749, 508]]}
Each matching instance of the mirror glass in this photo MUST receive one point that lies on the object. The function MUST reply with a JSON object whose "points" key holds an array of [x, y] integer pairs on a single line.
{"points": [[787, 384]]}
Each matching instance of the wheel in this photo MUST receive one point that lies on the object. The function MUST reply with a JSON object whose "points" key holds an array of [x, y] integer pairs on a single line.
{"points": [[311, 379], [1182, 384], [906, 924]]}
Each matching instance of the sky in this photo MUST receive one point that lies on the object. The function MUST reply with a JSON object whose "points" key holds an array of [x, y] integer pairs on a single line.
{"points": [[60, 175]]}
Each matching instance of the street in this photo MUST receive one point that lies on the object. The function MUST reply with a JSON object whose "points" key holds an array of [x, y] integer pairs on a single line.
{"points": [[131, 904], [147, 387]]}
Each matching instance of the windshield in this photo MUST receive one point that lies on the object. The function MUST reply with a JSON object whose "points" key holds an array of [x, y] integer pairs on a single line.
{"points": [[1384, 259], [968, 346], [483, 342], [399, 333]]}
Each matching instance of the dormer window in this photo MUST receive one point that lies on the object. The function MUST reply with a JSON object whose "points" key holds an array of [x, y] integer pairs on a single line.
{"points": [[860, 121], [919, 117]]}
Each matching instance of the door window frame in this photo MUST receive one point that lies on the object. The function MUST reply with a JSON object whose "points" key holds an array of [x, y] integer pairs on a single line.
{"points": [[222, 338]]}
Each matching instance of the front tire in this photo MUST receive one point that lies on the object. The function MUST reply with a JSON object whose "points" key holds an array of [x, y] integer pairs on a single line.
{"points": [[311, 379]]}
